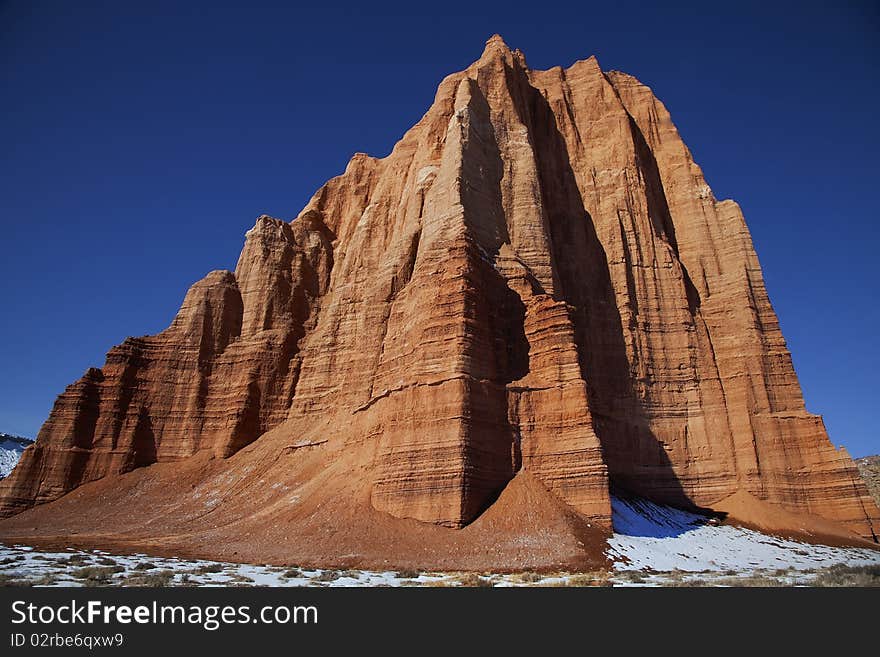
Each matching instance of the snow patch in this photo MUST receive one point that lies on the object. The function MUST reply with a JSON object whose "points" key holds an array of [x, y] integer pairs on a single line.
{"points": [[650, 536], [11, 448]]}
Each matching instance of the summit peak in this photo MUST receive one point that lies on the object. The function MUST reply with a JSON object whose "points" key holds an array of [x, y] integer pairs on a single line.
{"points": [[495, 45]]}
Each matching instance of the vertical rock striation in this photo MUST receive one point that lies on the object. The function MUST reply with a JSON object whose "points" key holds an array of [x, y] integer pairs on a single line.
{"points": [[537, 279]]}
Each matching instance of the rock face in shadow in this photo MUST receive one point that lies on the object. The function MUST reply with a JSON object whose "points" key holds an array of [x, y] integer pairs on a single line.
{"points": [[869, 469], [537, 279]]}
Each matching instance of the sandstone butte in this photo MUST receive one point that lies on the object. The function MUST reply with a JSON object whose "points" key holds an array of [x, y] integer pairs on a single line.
{"points": [[452, 354]]}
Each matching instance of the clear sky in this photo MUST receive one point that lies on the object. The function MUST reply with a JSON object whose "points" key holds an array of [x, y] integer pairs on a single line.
{"points": [[140, 140]]}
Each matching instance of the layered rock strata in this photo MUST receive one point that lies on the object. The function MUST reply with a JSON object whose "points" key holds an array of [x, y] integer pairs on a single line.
{"points": [[536, 280]]}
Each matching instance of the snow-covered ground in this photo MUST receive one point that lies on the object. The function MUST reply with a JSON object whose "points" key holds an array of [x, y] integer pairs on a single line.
{"points": [[11, 448], [653, 545], [20, 564], [651, 536]]}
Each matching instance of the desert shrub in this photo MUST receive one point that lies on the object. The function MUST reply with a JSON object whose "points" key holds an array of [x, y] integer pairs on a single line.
{"points": [[473, 580], [871, 571], [106, 561], [145, 565], [633, 576], [598, 578], [407, 574], [76, 560], [750, 581], [187, 580], [529, 577], [327, 576], [96, 575], [44, 580], [696, 582], [14, 579], [674, 575], [204, 569], [150, 579], [292, 573]]}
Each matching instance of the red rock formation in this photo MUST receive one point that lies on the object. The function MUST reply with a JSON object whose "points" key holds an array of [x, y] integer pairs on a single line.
{"points": [[536, 280]]}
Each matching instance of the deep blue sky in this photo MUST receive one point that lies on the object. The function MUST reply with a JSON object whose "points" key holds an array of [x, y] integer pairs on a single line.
{"points": [[140, 140]]}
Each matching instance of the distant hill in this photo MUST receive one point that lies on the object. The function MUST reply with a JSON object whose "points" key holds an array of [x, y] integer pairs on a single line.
{"points": [[869, 468], [11, 448]]}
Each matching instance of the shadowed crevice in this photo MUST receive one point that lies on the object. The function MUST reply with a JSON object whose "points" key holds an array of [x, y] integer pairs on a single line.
{"points": [[504, 356], [658, 208], [635, 457], [143, 443]]}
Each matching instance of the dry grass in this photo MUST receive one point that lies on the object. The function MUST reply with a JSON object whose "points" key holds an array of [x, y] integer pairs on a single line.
{"points": [[327, 576], [44, 580], [839, 575], [75, 560], [633, 576], [677, 578], [11, 579], [96, 575], [575, 580], [151, 579], [595, 578], [843, 575], [186, 580], [687, 583], [753, 581], [472, 580], [208, 568]]}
